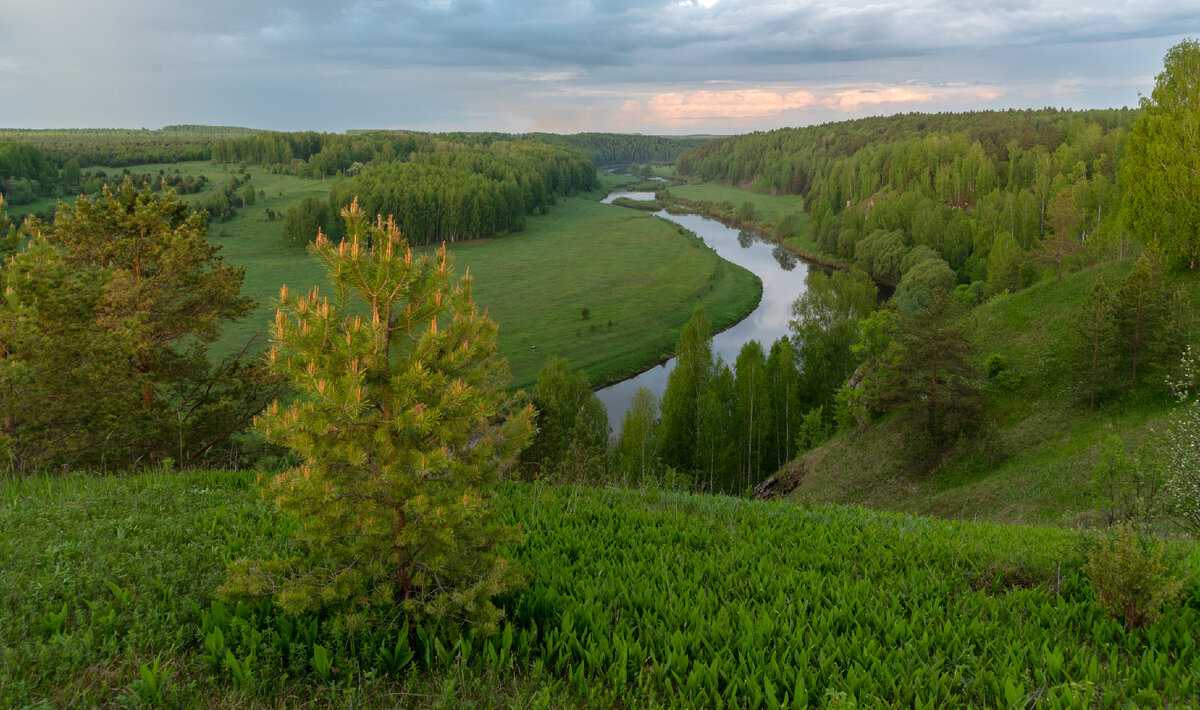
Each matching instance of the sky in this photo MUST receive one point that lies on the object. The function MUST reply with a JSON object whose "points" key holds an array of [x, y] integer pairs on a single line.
{"points": [[567, 66]]}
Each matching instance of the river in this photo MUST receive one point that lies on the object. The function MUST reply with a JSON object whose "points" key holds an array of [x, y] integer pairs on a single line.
{"points": [[782, 277]]}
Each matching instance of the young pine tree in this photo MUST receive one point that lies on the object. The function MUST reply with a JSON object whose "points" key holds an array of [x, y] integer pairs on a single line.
{"points": [[1093, 342], [404, 426]]}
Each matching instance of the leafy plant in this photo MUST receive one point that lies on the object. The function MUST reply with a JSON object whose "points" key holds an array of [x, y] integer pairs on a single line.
{"points": [[322, 661], [152, 685]]}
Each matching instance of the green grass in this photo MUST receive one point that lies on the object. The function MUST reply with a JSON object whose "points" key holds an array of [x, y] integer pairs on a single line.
{"points": [[1036, 461], [638, 276], [634, 599], [162, 540], [771, 209]]}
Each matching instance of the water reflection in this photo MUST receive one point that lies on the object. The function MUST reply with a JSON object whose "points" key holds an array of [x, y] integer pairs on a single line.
{"points": [[786, 260]]}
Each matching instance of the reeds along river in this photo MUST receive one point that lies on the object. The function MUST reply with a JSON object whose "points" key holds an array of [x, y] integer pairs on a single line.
{"points": [[782, 277]]}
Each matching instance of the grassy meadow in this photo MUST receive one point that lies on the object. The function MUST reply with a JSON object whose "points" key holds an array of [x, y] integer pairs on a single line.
{"points": [[770, 208], [634, 599], [639, 277]]}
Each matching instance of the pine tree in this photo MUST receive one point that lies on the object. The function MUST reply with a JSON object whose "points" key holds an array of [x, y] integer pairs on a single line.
{"points": [[928, 370], [1094, 340], [1145, 315], [121, 295], [403, 425]]}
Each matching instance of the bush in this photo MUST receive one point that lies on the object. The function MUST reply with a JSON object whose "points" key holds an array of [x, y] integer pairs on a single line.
{"points": [[1129, 577]]}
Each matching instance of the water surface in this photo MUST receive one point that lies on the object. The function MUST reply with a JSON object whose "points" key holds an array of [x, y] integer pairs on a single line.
{"points": [[782, 279]]}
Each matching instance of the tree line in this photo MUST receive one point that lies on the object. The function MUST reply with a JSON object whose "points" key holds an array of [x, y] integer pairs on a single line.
{"points": [[453, 193], [120, 147], [609, 150]]}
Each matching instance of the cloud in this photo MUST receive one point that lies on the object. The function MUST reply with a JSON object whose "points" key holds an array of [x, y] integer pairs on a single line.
{"points": [[673, 108], [482, 64], [856, 98]]}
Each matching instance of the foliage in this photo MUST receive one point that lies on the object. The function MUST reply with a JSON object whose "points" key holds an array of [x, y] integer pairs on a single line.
{"points": [[1130, 486], [304, 221], [1182, 451], [752, 413], [104, 334], [25, 175], [952, 183], [1130, 579], [929, 371], [571, 423], [120, 146], [1161, 166], [825, 325], [403, 426], [635, 456], [467, 193], [1147, 316], [783, 386], [630, 602], [619, 149], [1093, 342], [681, 405]]}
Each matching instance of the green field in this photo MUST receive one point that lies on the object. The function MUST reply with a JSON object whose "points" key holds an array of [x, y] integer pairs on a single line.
{"points": [[634, 599], [638, 277], [770, 208]]}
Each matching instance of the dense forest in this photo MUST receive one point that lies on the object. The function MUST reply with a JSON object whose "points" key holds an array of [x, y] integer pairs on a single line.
{"points": [[617, 150], [1034, 187], [461, 193], [119, 147]]}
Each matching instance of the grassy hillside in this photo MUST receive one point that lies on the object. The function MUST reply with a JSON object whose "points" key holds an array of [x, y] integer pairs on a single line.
{"points": [[1034, 464], [635, 599]]}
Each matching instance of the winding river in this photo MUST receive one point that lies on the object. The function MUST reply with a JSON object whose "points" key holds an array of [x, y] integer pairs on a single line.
{"points": [[782, 277]]}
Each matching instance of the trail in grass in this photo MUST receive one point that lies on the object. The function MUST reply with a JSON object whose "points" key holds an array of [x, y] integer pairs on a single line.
{"points": [[782, 276]]}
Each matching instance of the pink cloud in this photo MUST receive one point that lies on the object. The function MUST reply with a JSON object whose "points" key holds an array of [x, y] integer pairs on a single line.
{"points": [[675, 107], [740, 106], [851, 100]]}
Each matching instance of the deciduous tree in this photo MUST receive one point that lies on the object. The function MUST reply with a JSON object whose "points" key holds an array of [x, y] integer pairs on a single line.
{"points": [[571, 423], [1161, 164], [681, 414]]}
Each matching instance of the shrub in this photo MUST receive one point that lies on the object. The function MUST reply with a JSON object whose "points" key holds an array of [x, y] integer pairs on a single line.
{"points": [[1129, 577]]}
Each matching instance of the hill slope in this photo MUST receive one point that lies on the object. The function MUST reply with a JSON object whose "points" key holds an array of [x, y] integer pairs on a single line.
{"points": [[635, 599], [1035, 460]]}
